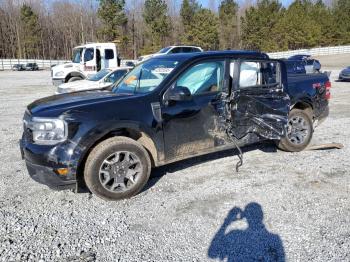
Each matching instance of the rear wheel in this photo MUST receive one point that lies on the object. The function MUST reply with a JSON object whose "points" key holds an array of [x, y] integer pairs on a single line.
{"points": [[299, 133], [117, 168], [74, 78]]}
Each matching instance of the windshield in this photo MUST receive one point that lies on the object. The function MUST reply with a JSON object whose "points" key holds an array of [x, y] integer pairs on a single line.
{"points": [[98, 76], [77, 55], [164, 50], [146, 77]]}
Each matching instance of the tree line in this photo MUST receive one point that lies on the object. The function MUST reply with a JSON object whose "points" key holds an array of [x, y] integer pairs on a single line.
{"points": [[49, 29]]}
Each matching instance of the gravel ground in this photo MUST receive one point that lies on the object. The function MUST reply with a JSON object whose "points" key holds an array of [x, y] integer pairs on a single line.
{"points": [[184, 214]]}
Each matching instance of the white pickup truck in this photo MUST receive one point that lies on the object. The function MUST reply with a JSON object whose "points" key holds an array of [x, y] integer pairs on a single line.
{"points": [[87, 60]]}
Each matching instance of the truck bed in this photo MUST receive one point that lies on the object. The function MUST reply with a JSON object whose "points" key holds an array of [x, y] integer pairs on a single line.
{"points": [[310, 89]]}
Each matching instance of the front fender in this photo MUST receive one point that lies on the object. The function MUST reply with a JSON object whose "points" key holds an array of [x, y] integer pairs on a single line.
{"points": [[90, 134]]}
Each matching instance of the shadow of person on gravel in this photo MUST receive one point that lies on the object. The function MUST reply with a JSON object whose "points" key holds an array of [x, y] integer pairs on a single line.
{"points": [[254, 243]]}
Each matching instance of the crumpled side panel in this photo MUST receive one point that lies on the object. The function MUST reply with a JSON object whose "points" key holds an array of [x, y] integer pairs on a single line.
{"points": [[263, 114]]}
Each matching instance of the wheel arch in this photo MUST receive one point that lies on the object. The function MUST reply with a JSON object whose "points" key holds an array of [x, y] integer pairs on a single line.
{"points": [[304, 105], [138, 135], [73, 74]]}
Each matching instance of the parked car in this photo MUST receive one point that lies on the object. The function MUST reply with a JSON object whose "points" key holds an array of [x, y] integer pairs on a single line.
{"points": [[167, 109], [18, 67], [130, 64], [345, 74], [295, 66], [32, 67], [311, 65], [172, 50], [102, 79], [301, 57]]}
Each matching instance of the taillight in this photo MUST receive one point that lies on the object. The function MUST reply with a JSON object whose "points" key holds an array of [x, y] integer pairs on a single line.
{"points": [[328, 86]]}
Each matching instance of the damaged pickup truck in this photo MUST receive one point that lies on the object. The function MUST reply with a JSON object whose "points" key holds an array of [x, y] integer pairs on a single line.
{"points": [[167, 109]]}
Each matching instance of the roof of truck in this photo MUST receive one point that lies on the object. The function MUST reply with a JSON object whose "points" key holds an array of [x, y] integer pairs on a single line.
{"points": [[95, 44], [227, 53]]}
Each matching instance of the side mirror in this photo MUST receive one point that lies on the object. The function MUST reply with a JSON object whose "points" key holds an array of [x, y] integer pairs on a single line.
{"points": [[178, 93]]}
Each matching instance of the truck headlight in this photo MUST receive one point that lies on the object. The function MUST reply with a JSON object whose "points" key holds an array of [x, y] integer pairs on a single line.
{"points": [[60, 73], [48, 131]]}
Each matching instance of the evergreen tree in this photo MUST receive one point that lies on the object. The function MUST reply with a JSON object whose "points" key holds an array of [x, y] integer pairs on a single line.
{"points": [[326, 23], [187, 11], [157, 21], [341, 14], [298, 28], [113, 17], [257, 24], [228, 24], [204, 30], [30, 26]]}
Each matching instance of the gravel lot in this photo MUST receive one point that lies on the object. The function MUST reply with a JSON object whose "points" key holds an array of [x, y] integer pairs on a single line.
{"points": [[304, 198]]}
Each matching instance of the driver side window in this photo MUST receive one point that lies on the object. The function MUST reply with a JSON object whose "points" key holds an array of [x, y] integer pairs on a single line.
{"points": [[89, 54], [203, 78]]}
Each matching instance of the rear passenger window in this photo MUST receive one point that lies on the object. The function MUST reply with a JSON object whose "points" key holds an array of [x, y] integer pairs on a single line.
{"points": [[109, 54], [186, 49], [176, 50], [264, 74]]}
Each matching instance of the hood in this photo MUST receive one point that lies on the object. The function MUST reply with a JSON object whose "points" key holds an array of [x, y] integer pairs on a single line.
{"points": [[67, 67], [73, 100], [145, 57], [81, 84], [345, 71]]}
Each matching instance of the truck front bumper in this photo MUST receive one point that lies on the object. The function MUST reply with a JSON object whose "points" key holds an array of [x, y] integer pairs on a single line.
{"points": [[56, 82], [46, 176], [43, 170]]}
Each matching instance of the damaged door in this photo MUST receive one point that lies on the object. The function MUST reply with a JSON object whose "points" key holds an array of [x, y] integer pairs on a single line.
{"points": [[190, 110], [259, 103]]}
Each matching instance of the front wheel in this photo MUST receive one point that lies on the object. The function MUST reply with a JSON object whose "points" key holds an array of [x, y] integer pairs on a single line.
{"points": [[117, 168], [299, 132]]}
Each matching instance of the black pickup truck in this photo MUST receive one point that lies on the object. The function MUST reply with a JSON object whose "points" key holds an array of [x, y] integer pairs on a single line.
{"points": [[167, 109]]}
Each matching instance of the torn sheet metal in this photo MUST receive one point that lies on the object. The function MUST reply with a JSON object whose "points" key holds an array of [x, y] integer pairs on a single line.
{"points": [[263, 114]]}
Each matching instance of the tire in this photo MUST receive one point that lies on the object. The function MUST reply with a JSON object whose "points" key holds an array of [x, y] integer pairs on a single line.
{"points": [[293, 142], [111, 151], [74, 78]]}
